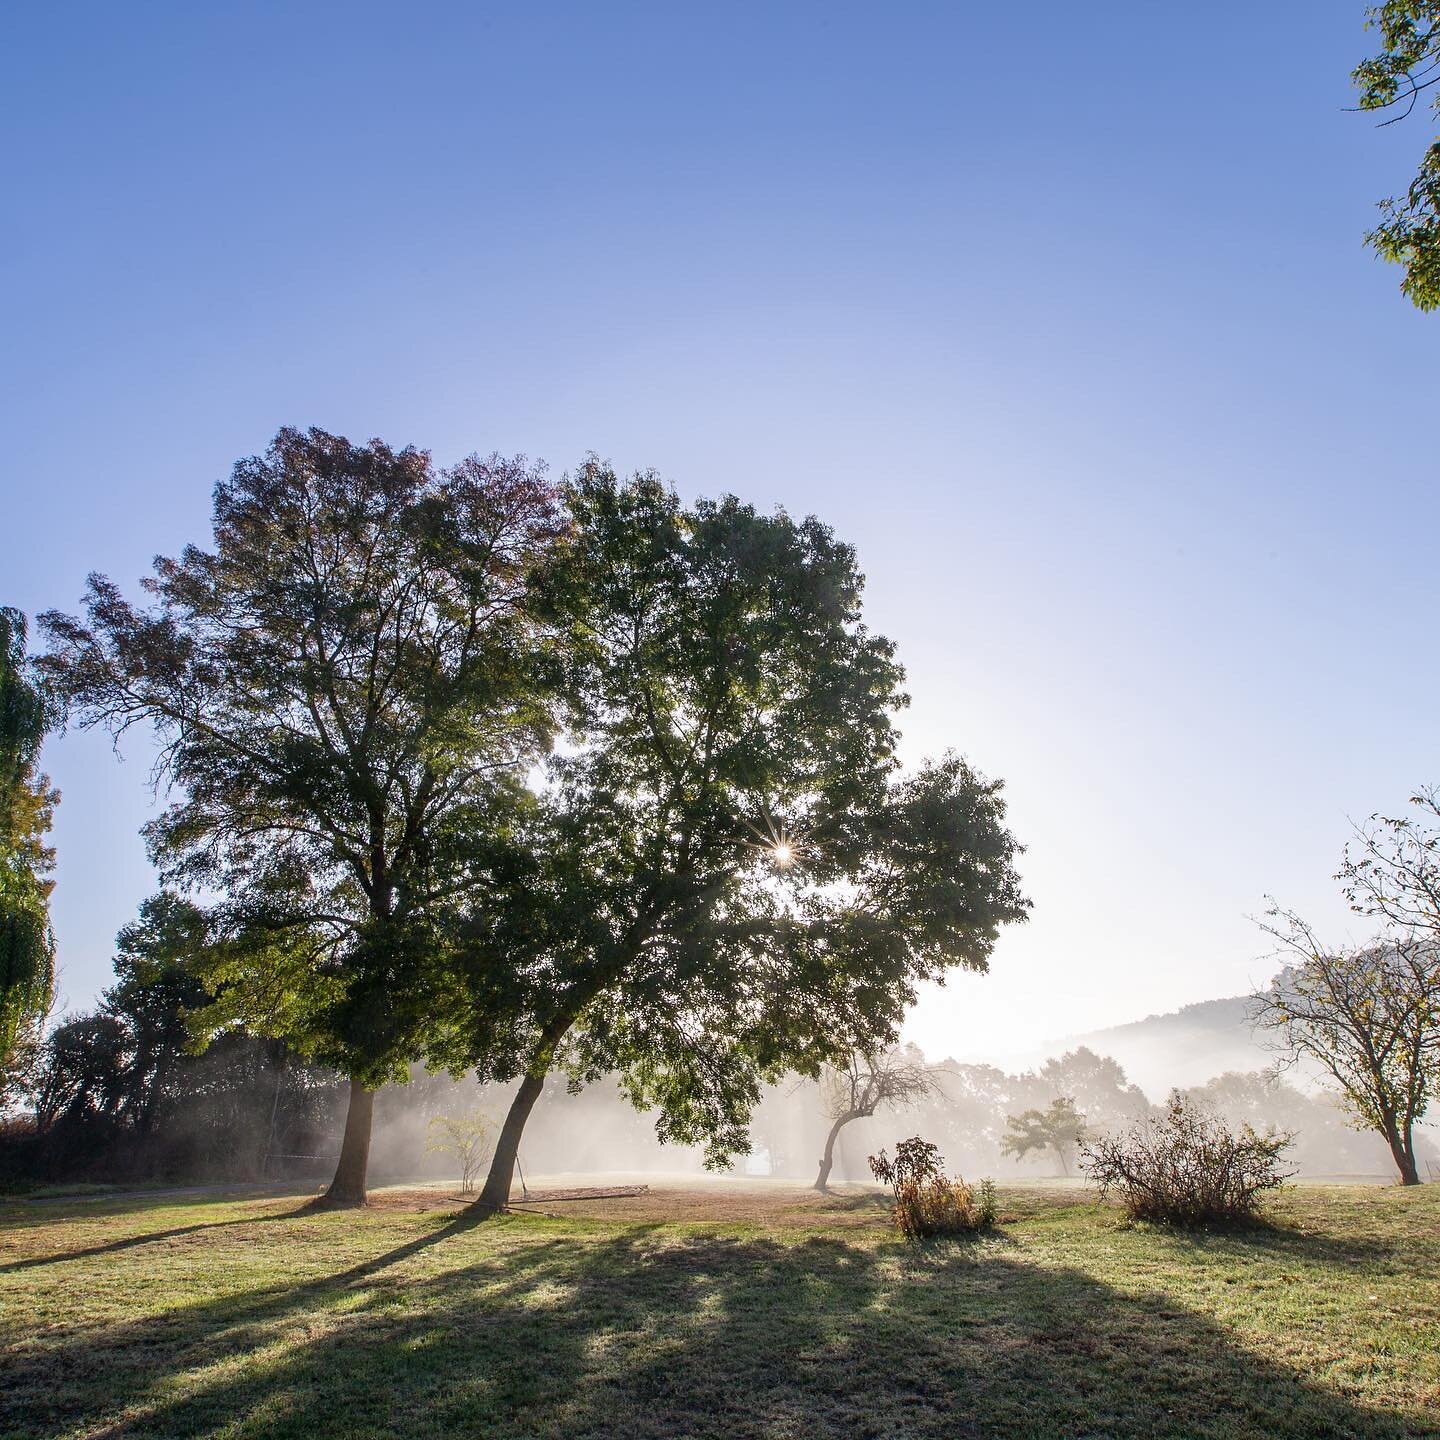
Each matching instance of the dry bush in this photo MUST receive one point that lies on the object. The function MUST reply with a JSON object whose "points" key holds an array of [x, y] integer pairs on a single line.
{"points": [[1187, 1167], [927, 1202]]}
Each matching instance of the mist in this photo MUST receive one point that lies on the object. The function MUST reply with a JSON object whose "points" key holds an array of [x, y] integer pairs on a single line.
{"points": [[597, 1132]]}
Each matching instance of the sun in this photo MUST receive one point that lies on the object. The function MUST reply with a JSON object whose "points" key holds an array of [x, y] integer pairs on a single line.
{"points": [[784, 853]]}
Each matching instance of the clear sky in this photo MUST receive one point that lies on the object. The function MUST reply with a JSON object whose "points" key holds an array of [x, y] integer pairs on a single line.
{"points": [[1060, 312]]}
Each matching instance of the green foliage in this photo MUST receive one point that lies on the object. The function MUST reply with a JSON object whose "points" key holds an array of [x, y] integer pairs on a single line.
{"points": [[27, 946], [347, 688], [1059, 1127], [1409, 64], [926, 1201], [722, 876], [140, 1087], [86, 1071], [725, 697], [1187, 1167]]}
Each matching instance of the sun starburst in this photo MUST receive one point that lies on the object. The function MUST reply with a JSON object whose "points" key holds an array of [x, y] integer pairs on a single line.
{"points": [[776, 842]]}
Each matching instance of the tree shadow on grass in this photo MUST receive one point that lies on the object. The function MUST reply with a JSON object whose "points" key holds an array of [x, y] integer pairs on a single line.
{"points": [[131, 1242], [850, 1202], [508, 1332], [1279, 1241]]}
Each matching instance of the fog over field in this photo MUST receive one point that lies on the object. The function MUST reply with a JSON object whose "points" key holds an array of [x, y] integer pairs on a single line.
{"points": [[1207, 1050]]}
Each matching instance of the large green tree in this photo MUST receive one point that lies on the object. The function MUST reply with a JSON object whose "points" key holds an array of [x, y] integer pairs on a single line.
{"points": [[1393, 82], [725, 877], [347, 688], [27, 946]]}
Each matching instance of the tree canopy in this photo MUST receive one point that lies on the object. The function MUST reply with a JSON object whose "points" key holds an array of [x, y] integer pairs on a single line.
{"points": [[726, 878], [1097, 1084], [346, 691], [718, 874], [1394, 81]]}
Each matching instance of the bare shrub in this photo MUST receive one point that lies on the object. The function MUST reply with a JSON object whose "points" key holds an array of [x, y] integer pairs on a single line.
{"points": [[1187, 1167], [927, 1201], [466, 1137]]}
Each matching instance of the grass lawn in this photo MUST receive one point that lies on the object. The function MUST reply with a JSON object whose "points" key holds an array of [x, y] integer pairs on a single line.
{"points": [[742, 1309]]}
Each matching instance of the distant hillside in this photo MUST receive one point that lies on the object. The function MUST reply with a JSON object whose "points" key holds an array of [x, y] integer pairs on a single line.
{"points": [[1186, 1047]]}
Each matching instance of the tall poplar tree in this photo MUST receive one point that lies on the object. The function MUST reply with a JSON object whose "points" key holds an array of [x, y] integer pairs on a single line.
{"points": [[27, 945]]}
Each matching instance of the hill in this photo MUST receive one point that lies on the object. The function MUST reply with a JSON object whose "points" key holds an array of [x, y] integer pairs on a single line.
{"points": [[1185, 1047]]}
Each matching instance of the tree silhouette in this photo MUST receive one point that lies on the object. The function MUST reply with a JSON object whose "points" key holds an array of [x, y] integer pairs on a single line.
{"points": [[862, 1084], [347, 692], [725, 876], [1059, 1127]]}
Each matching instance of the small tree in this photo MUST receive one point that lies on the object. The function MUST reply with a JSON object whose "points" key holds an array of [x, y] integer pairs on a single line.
{"points": [[1370, 1018], [1060, 1128], [466, 1137], [863, 1084], [1187, 1167]]}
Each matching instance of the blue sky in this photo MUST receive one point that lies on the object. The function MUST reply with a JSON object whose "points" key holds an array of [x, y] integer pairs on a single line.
{"points": [[1061, 314]]}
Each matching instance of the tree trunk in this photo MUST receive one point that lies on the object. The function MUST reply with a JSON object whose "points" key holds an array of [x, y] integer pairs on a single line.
{"points": [[348, 1186], [274, 1112], [1403, 1150], [496, 1194], [827, 1160]]}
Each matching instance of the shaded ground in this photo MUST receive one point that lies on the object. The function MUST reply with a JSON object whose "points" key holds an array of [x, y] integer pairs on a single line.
{"points": [[761, 1204], [745, 1310]]}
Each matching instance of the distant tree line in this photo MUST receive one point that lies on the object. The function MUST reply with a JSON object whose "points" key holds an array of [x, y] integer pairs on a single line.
{"points": [[121, 1094], [990, 1122]]}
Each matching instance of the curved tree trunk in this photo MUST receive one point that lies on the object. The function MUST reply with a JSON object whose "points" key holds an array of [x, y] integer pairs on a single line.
{"points": [[827, 1160], [1402, 1148], [348, 1186], [496, 1194]]}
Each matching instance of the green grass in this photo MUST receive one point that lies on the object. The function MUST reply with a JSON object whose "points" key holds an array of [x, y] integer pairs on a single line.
{"points": [[737, 1311]]}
